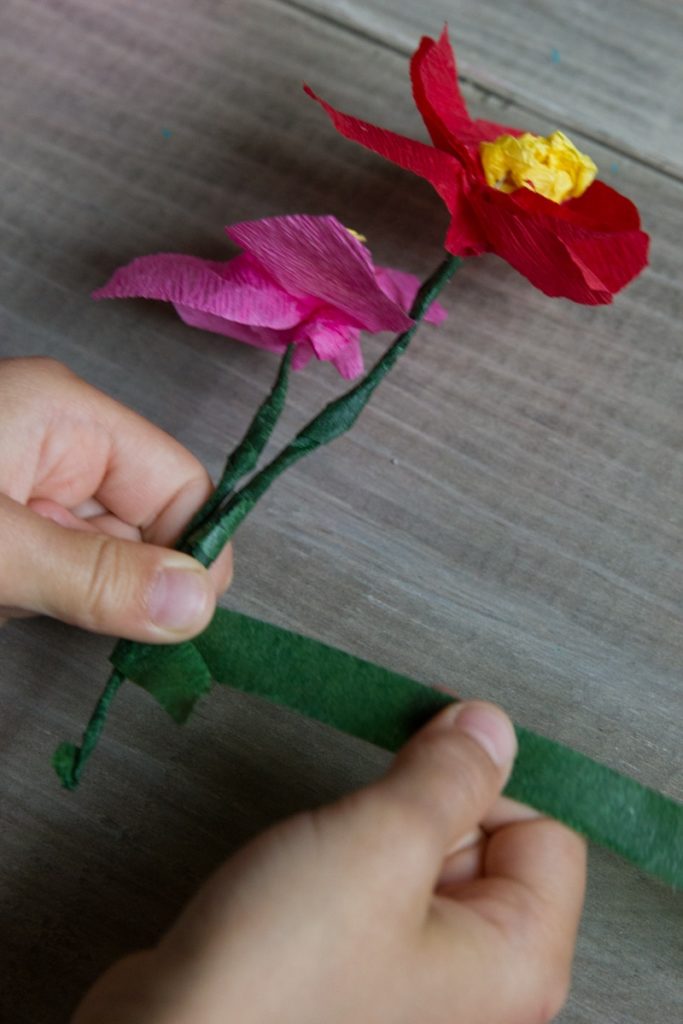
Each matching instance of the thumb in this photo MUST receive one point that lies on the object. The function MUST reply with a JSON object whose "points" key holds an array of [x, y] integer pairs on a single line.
{"points": [[442, 783], [99, 582]]}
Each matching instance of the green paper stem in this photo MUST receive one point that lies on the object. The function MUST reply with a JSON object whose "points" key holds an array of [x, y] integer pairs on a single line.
{"points": [[245, 456], [69, 760], [336, 418], [219, 522], [385, 708]]}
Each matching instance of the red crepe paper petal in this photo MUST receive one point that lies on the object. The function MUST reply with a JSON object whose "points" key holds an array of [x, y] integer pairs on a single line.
{"points": [[614, 260], [442, 170], [600, 208], [566, 255], [437, 96], [542, 258], [436, 92]]}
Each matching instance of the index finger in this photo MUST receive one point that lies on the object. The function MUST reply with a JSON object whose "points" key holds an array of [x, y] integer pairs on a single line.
{"points": [[71, 442], [150, 481]]}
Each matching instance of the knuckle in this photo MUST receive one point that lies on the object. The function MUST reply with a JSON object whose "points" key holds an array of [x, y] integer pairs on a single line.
{"points": [[107, 584]]}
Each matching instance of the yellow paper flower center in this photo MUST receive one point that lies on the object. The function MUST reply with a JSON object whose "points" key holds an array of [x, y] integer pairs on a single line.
{"points": [[553, 167], [357, 235]]}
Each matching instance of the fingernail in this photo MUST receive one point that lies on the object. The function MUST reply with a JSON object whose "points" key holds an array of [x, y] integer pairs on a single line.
{"points": [[490, 728], [177, 599]]}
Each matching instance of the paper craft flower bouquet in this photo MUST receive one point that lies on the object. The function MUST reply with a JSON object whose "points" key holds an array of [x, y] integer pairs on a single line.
{"points": [[307, 287]]}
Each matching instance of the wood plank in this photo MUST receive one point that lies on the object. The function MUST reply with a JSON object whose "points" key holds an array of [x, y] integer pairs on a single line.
{"points": [[505, 518], [611, 70]]}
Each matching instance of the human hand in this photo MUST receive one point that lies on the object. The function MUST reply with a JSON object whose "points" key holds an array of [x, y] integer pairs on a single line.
{"points": [[426, 898], [83, 481]]}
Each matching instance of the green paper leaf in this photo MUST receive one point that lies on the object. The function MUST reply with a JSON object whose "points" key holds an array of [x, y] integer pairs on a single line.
{"points": [[385, 708], [176, 675]]}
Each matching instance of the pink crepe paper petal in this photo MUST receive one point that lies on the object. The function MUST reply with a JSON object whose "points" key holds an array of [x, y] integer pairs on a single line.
{"points": [[338, 345], [318, 256], [303, 353], [199, 284], [328, 337], [261, 337], [349, 362], [403, 288]]}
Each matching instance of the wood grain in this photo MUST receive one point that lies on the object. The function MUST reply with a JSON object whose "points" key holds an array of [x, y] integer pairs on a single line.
{"points": [[506, 517], [612, 71]]}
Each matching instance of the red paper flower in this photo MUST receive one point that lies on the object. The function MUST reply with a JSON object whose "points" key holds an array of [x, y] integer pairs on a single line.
{"points": [[584, 248]]}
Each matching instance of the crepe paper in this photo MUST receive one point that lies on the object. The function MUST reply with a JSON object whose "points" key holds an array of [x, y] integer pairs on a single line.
{"points": [[552, 167], [219, 521], [174, 674], [585, 249], [385, 708], [302, 280], [245, 456], [69, 760]]}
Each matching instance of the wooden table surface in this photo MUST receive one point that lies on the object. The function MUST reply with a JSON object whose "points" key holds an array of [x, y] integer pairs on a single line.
{"points": [[506, 518]]}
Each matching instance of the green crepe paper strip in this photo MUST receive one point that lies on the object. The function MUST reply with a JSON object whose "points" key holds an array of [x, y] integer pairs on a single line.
{"points": [[386, 708]]}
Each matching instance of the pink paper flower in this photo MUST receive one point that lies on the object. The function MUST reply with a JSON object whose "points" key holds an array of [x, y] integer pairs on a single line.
{"points": [[301, 279]]}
